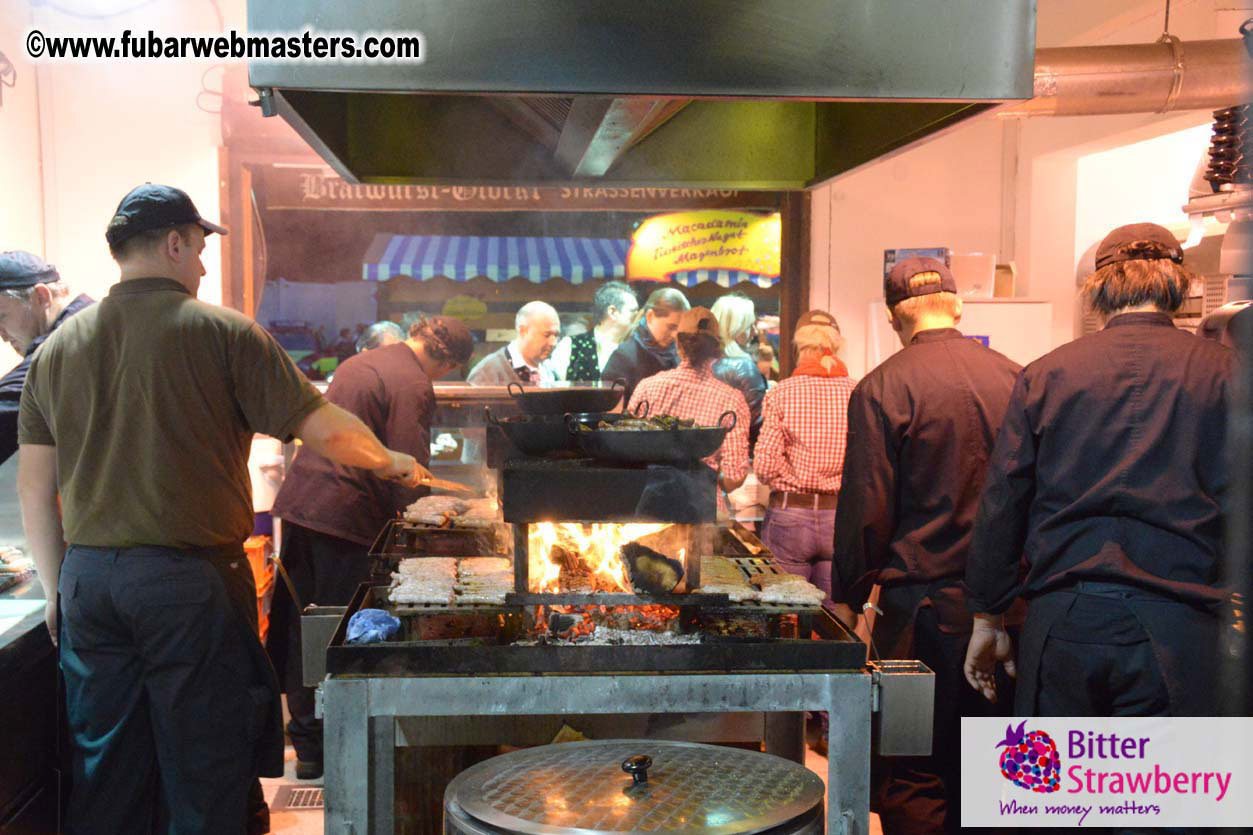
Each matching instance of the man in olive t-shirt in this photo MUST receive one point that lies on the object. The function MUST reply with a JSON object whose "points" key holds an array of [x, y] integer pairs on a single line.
{"points": [[139, 413]]}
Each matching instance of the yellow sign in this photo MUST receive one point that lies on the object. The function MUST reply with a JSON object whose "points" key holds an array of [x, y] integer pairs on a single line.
{"points": [[465, 308], [710, 239]]}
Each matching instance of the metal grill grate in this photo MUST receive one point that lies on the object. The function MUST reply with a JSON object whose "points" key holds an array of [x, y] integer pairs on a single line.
{"points": [[297, 799]]}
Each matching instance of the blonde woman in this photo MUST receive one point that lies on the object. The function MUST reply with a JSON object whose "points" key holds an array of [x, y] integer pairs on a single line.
{"points": [[801, 453], [737, 368]]}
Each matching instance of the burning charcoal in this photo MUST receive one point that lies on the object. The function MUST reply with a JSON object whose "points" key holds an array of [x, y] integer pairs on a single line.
{"points": [[651, 572]]}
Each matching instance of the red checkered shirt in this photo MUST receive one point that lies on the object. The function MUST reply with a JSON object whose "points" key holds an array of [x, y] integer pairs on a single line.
{"points": [[803, 433], [696, 394]]}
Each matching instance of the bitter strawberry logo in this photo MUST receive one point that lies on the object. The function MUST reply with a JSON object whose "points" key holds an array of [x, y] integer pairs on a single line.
{"points": [[1030, 759]]}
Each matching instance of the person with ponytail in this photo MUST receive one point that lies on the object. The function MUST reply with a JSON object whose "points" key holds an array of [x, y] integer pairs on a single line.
{"points": [[800, 454]]}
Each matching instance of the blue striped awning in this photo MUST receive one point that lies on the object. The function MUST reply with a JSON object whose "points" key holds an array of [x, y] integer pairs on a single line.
{"points": [[724, 278], [463, 257]]}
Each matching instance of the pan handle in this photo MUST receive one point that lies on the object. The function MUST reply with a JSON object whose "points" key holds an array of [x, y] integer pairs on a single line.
{"points": [[723, 416], [642, 405], [509, 388], [491, 418]]}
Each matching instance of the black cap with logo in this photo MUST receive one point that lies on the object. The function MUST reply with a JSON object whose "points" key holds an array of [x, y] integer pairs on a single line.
{"points": [[20, 270], [151, 206], [897, 286]]}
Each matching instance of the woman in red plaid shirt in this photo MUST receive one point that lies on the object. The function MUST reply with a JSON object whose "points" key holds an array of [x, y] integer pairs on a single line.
{"points": [[692, 392], [800, 453]]}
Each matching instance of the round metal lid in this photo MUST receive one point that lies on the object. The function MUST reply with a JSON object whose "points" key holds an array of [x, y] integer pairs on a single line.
{"points": [[580, 787]]}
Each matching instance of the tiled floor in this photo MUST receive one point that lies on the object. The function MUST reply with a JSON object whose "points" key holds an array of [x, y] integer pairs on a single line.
{"points": [[310, 822]]}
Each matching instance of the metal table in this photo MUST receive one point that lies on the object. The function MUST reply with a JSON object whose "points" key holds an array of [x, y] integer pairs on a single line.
{"points": [[361, 724]]}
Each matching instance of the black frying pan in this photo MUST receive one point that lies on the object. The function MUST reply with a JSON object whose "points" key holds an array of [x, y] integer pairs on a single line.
{"points": [[535, 434], [650, 446], [559, 401]]}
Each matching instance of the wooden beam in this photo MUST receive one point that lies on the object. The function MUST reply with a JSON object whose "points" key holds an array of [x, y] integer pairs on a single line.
{"points": [[794, 271]]}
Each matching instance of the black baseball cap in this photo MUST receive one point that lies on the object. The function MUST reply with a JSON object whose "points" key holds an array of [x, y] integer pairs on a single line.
{"points": [[152, 206], [19, 270], [1138, 242], [896, 287]]}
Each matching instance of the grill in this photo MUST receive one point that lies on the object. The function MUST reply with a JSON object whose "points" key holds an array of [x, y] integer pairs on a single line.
{"points": [[486, 661]]}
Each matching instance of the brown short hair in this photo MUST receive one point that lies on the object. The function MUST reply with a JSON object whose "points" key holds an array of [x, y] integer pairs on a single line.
{"points": [[445, 339], [699, 348], [147, 240], [1123, 284]]}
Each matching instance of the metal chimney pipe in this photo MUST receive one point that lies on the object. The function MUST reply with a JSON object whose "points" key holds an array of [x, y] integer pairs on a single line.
{"points": [[1138, 78]]}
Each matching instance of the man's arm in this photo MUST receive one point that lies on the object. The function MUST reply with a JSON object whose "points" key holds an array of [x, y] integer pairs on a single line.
{"points": [[1000, 529], [865, 515], [768, 459], [734, 463], [997, 543], [37, 493], [341, 436]]}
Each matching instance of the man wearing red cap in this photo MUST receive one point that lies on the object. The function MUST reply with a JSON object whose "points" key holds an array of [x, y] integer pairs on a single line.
{"points": [[920, 429], [1108, 482]]}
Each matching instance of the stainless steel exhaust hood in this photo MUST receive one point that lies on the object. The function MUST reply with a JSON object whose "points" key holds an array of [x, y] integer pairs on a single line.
{"points": [[773, 94]]}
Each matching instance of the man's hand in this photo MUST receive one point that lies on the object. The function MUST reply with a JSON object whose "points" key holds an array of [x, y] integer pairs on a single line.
{"points": [[405, 469], [989, 644], [50, 618]]}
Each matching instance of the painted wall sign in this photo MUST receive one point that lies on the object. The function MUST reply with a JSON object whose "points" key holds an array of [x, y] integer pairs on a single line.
{"points": [[311, 188], [711, 239]]}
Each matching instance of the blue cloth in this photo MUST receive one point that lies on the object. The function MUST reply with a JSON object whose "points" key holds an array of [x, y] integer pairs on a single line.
{"points": [[370, 626]]}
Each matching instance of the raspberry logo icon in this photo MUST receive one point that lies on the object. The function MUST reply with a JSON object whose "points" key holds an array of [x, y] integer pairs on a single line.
{"points": [[1030, 759]]}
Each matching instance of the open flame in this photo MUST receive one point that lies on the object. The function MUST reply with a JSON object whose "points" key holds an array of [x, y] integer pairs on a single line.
{"points": [[570, 556]]}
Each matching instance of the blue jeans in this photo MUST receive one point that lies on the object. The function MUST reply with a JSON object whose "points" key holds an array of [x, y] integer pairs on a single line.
{"points": [[802, 541], [163, 709]]}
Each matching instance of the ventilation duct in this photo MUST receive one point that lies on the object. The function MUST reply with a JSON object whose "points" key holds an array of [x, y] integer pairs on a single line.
{"points": [[1138, 78]]}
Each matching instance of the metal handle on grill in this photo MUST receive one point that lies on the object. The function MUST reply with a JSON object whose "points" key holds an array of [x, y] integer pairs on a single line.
{"points": [[637, 767]]}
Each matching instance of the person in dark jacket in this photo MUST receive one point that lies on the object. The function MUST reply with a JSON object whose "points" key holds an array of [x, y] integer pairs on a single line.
{"points": [[737, 319], [34, 301], [331, 514], [920, 430], [613, 310], [1108, 482], [650, 347]]}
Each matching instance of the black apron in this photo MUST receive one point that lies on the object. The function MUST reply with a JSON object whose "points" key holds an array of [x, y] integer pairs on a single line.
{"points": [[236, 572], [1185, 642]]}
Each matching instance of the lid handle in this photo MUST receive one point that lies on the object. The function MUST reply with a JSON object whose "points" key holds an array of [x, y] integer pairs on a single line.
{"points": [[637, 767]]}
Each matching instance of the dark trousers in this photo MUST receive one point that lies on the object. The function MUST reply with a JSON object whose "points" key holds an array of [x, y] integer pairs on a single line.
{"points": [[163, 710], [923, 794], [325, 570], [1090, 679]]}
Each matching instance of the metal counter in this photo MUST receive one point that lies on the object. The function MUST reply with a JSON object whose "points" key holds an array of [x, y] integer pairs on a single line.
{"points": [[366, 718]]}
